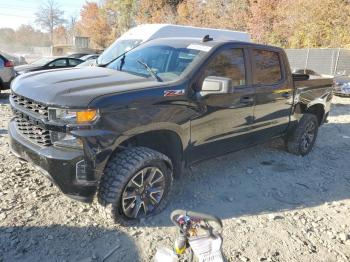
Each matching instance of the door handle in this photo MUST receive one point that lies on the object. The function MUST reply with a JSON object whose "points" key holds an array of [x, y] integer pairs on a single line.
{"points": [[246, 99]]}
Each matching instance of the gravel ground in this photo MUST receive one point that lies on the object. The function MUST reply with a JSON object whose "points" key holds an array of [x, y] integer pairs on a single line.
{"points": [[275, 206]]}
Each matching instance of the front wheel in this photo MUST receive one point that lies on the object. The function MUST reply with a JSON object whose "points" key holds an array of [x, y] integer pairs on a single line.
{"points": [[304, 136], [135, 184]]}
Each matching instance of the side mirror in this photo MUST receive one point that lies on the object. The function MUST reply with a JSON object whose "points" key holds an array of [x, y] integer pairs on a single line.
{"points": [[216, 85]]}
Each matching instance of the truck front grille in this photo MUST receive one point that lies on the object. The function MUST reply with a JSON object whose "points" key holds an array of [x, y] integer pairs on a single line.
{"points": [[32, 132], [30, 105]]}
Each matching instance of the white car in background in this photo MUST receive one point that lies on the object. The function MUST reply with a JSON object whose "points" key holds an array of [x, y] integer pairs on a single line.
{"points": [[89, 57], [89, 60], [142, 33], [7, 73]]}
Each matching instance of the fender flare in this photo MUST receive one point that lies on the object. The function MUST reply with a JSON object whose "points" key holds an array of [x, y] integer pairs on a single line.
{"points": [[160, 126]]}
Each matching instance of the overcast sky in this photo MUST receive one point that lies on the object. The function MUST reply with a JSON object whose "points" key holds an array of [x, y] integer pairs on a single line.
{"points": [[13, 13]]}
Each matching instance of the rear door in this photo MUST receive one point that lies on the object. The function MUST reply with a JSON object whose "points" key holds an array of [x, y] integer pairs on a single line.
{"points": [[274, 92], [224, 120]]}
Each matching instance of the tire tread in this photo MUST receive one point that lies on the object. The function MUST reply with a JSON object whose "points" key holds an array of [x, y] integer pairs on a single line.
{"points": [[118, 172], [293, 141]]}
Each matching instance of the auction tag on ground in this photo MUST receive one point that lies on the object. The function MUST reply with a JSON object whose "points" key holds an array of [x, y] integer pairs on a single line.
{"points": [[203, 48]]}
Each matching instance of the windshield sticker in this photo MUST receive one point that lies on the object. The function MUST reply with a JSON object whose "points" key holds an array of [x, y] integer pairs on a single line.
{"points": [[203, 48], [179, 92]]}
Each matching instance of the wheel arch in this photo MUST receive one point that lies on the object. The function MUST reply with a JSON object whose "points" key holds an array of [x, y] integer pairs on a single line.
{"points": [[170, 139], [317, 109], [165, 141]]}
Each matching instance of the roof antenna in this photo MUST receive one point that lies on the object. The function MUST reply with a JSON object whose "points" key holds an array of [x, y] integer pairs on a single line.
{"points": [[207, 38]]}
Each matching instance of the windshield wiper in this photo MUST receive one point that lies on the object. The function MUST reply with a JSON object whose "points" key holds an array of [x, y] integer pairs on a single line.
{"points": [[152, 73], [110, 62], [122, 60]]}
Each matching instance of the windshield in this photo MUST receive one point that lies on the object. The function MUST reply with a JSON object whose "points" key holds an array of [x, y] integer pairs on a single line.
{"points": [[166, 61], [41, 62], [116, 49]]}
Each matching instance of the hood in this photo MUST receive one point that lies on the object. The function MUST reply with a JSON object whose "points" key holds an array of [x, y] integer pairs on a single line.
{"points": [[76, 87], [26, 67]]}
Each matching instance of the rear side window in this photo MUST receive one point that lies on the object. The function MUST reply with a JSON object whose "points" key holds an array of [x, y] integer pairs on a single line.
{"points": [[74, 62], [58, 63], [267, 67], [228, 63]]}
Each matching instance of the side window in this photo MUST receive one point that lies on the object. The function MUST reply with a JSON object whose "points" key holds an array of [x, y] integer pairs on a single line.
{"points": [[267, 67], [228, 63], [2, 62], [74, 62], [58, 63]]}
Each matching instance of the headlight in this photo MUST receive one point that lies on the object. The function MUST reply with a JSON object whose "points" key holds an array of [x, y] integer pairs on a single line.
{"points": [[73, 117], [67, 116]]}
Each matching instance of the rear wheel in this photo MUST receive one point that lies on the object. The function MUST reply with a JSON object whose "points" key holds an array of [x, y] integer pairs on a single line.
{"points": [[135, 185], [303, 139]]}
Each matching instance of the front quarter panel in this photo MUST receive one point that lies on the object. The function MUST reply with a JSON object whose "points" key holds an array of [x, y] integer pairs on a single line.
{"points": [[125, 115]]}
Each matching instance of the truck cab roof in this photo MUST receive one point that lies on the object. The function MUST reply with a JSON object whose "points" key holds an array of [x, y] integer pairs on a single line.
{"points": [[213, 42], [145, 32], [152, 31]]}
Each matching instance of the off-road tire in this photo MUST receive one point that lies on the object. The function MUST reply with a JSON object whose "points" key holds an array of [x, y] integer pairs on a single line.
{"points": [[294, 141], [121, 167]]}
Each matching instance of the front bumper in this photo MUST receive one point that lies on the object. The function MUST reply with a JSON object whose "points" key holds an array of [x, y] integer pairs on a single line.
{"points": [[58, 164]]}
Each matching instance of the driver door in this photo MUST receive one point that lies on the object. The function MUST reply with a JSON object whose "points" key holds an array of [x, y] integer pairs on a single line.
{"points": [[224, 121]]}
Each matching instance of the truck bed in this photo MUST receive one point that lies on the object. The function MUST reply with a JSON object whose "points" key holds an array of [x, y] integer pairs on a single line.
{"points": [[313, 88], [314, 82]]}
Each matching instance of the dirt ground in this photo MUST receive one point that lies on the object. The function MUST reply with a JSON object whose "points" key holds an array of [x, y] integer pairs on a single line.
{"points": [[275, 206]]}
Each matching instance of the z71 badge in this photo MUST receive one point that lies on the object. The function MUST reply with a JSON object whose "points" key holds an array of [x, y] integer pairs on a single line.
{"points": [[179, 92]]}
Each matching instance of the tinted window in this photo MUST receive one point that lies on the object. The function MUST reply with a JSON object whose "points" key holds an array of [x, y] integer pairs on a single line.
{"points": [[74, 62], [267, 67], [58, 63], [2, 62], [228, 63]]}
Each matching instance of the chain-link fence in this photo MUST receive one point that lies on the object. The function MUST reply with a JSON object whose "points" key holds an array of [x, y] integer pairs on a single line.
{"points": [[328, 61]]}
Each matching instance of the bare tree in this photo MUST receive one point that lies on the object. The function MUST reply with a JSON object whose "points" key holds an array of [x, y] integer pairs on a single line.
{"points": [[72, 27], [49, 16]]}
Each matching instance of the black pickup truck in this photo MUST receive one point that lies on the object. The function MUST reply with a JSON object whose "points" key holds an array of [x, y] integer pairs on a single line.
{"points": [[126, 129]]}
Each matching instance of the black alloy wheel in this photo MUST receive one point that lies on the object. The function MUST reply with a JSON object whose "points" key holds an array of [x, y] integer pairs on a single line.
{"points": [[303, 138], [143, 193], [136, 184], [308, 136]]}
